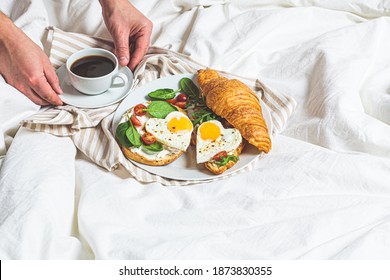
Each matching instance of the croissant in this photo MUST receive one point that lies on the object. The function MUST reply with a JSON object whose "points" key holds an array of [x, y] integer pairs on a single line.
{"points": [[238, 104]]}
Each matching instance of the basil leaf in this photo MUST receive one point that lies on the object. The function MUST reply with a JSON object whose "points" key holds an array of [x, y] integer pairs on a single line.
{"points": [[133, 136], [121, 134], [163, 94], [155, 147], [225, 160], [160, 109], [189, 87]]}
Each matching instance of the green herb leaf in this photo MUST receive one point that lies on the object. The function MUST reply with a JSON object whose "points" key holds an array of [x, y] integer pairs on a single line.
{"points": [[189, 87], [121, 134], [160, 109], [225, 160], [133, 136], [196, 101], [155, 147], [203, 115], [163, 94]]}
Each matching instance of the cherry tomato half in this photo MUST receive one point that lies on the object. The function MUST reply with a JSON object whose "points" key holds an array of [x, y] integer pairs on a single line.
{"points": [[139, 110], [219, 155], [135, 121], [172, 101], [148, 138], [181, 104], [182, 97]]}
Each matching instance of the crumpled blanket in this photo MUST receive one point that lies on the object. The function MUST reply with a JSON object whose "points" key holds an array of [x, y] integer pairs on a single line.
{"points": [[322, 193]]}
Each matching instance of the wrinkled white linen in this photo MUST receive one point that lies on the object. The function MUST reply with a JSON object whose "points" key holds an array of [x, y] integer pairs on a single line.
{"points": [[322, 193]]}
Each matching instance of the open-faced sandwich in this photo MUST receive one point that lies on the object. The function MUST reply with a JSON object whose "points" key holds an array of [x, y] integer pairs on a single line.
{"points": [[218, 147], [154, 133]]}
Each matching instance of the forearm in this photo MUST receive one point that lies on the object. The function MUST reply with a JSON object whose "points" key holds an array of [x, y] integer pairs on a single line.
{"points": [[5, 25], [104, 2], [10, 36], [108, 6], [4, 19], [107, 2]]}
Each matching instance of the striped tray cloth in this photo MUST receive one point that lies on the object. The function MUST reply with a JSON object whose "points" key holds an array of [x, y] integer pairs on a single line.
{"points": [[90, 129]]}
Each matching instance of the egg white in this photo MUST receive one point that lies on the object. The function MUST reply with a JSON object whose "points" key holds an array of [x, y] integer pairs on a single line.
{"points": [[229, 141], [159, 128]]}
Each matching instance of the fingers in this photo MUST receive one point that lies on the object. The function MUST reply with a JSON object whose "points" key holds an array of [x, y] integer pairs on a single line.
{"points": [[121, 42], [34, 97], [140, 48], [29, 93], [52, 79], [43, 89]]}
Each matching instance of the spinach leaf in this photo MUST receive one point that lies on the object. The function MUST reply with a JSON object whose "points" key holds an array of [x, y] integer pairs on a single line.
{"points": [[121, 134], [189, 87], [160, 109], [155, 147], [163, 94], [133, 136], [225, 160]]}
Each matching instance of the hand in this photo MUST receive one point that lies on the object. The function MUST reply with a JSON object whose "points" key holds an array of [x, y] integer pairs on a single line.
{"points": [[26, 67], [130, 30]]}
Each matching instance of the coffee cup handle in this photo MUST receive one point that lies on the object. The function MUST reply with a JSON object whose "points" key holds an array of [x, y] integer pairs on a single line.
{"points": [[119, 76]]}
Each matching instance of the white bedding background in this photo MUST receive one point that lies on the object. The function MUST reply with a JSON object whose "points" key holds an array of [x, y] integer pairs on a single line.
{"points": [[323, 192]]}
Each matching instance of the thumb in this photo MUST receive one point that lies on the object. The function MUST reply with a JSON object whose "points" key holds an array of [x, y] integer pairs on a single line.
{"points": [[122, 49]]}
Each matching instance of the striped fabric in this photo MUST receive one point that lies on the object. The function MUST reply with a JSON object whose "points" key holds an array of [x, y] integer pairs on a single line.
{"points": [[90, 129]]}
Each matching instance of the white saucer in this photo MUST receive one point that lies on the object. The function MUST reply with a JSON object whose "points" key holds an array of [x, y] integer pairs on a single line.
{"points": [[71, 96]]}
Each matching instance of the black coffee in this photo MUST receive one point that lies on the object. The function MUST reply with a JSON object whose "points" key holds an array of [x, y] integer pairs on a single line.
{"points": [[92, 66]]}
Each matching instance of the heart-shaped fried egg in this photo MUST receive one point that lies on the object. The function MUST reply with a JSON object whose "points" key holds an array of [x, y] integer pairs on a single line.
{"points": [[174, 131], [213, 138]]}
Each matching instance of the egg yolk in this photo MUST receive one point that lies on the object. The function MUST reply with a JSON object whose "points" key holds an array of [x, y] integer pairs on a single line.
{"points": [[209, 131], [181, 124]]}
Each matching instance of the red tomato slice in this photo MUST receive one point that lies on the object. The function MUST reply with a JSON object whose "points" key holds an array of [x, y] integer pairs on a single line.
{"points": [[172, 101], [219, 155], [135, 121], [139, 110], [148, 138]]}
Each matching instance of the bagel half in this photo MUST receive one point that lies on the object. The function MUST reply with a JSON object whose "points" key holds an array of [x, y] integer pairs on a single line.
{"points": [[170, 154], [154, 162]]}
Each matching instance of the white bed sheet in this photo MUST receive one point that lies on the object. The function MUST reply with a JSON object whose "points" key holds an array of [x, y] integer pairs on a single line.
{"points": [[322, 193]]}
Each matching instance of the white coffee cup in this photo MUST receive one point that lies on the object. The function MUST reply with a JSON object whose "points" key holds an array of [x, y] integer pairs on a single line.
{"points": [[100, 84]]}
